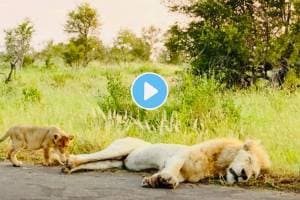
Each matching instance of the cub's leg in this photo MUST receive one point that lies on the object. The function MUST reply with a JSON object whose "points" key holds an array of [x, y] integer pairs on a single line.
{"points": [[57, 157], [100, 165], [47, 161], [117, 150], [169, 176], [12, 156], [17, 144]]}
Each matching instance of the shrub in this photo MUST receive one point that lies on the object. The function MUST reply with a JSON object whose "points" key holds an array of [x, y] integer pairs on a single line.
{"points": [[61, 79], [118, 98], [32, 94], [292, 81], [128, 48]]}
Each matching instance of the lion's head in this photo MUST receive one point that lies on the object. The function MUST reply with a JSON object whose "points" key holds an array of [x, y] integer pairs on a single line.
{"points": [[248, 162]]}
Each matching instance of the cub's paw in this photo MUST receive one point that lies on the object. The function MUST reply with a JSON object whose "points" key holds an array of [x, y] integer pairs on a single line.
{"points": [[51, 164], [17, 164], [46, 164], [65, 170], [70, 162], [161, 180]]}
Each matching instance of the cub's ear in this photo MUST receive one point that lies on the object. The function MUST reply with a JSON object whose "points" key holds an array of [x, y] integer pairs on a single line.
{"points": [[250, 144], [55, 136], [71, 137]]}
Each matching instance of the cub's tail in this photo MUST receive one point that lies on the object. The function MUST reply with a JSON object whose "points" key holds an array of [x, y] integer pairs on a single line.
{"points": [[5, 137]]}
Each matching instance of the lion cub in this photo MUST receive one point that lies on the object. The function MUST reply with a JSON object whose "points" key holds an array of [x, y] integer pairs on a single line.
{"points": [[50, 139]]}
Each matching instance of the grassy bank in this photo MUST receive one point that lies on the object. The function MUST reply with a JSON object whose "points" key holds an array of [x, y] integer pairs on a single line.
{"points": [[94, 104]]}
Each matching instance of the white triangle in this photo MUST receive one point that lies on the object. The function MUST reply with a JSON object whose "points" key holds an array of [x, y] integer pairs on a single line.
{"points": [[149, 91]]}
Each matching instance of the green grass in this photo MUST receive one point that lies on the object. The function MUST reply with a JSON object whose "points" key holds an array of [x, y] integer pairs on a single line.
{"points": [[78, 101]]}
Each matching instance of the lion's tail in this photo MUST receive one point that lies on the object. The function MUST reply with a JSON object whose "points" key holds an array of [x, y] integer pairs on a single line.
{"points": [[5, 137]]}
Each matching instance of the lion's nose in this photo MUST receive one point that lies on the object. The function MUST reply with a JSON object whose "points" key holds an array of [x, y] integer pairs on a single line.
{"points": [[244, 174]]}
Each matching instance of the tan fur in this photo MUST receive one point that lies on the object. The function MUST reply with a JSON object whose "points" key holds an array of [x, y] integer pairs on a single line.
{"points": [[212, 158], [52, 140], [236, 160]]}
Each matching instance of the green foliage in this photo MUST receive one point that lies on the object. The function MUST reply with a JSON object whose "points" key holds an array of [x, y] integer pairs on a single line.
{"points": [[74, 53], [50, 53], [60, 79], [228, 39], [173, 52], [118, 98], [82, 23], [32, 94], [17, 41], [28, 60], [292, 82], [128, 48]]}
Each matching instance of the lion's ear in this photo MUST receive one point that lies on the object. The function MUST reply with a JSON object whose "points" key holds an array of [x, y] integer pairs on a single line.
{"points": [[249, 144]]}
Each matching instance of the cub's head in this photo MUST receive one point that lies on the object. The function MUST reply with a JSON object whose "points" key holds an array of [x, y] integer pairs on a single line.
{"points": [[61, 140], [248, 162]]}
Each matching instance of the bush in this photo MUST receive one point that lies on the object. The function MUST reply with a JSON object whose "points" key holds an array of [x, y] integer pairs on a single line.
{"points": [[292, 81], [61, 79], [73, 54], [32, 94], [118, 98], [128, 48], [28, 60], [229, 39]]}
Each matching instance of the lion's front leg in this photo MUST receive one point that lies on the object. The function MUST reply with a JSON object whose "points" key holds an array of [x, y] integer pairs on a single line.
{"points": [[161, 180], [169, 176]]}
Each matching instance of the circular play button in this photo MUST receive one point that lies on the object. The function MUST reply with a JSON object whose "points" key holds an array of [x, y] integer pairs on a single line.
{"points": [[149, 91]]}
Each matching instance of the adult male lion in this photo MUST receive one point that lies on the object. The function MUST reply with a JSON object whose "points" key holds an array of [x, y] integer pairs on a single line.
{"points": [[237, 161]]}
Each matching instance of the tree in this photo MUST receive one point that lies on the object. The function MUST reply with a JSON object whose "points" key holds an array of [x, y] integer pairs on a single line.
{"points": [[50, 52], [227, 39], [152, 35], [173, 48], [83, 24], [74, 51], [17, 42], [128, 47]]}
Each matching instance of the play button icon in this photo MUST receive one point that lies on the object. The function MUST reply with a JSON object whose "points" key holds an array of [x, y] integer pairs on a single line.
{"points": [[149, 91]]}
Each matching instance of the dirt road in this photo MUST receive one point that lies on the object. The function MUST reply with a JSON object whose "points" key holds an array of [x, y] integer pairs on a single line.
{"points": [[38, 183]]}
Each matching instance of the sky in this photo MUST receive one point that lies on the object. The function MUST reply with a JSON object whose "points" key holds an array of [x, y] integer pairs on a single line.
{"points": [[49, 17]]}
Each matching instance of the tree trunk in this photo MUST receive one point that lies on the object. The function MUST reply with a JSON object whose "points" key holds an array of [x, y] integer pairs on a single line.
{"points": [[12, 70]]}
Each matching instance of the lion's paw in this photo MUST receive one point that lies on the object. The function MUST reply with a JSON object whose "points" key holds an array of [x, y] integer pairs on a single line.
{"points": [[161, 180], [71, 162]]}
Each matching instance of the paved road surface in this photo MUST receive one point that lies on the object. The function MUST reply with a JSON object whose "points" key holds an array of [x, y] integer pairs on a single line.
{"points": [[38, 183]]}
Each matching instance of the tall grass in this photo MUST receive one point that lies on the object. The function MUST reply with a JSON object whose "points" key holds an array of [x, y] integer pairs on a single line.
{"points": [[94, 104]]}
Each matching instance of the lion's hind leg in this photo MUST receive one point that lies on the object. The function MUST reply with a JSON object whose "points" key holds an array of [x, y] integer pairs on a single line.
{"points": [[100, 165], [116, 151]]}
